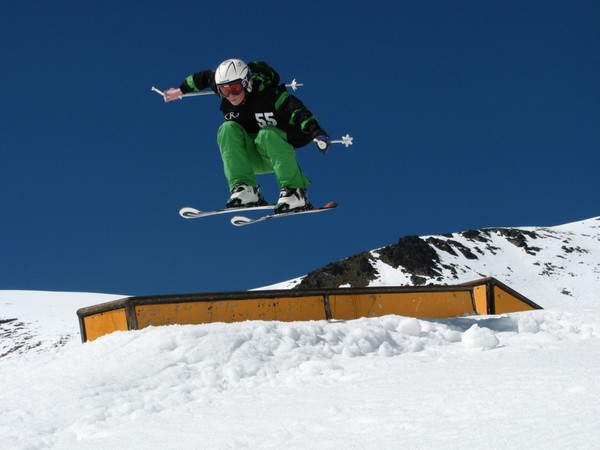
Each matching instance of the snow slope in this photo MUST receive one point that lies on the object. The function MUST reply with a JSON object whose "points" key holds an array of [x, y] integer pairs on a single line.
{"points": [[38, 321], [523, 380]]}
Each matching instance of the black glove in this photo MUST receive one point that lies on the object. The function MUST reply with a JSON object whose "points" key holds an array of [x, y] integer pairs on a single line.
{"points": [[323, 142]]}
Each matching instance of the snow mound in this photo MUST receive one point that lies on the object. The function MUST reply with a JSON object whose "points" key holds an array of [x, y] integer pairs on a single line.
{"points": [[287, 384]]}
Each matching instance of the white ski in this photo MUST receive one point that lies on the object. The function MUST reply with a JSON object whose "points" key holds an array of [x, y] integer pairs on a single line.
{"points": [[192, 213], [240, 221]]}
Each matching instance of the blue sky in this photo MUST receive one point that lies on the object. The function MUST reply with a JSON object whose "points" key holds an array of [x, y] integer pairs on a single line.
{"points": [[464, 115]]}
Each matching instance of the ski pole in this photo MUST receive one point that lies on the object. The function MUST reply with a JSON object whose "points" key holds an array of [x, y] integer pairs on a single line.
{"points": [[345, 140], [191, 94], [294, 85], [158, 91]]}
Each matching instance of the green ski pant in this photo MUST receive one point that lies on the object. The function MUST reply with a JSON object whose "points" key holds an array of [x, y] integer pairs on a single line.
{"points": [[245, 156]]}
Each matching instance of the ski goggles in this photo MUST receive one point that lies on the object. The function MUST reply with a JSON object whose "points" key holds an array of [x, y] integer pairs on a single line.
{"points": [[235, 88]]}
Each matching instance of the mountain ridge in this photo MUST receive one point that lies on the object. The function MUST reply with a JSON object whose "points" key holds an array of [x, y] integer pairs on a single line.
{"points": [[521, 257]]}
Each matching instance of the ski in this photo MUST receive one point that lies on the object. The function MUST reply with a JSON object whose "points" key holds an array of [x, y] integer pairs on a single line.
{"points": [[192, 213], [240, 221]]}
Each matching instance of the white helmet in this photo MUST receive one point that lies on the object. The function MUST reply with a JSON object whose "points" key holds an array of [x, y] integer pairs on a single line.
{"points": [[233, 70]]}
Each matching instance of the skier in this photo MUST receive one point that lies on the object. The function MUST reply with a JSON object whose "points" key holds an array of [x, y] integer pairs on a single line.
{"points": [[263, 125]]}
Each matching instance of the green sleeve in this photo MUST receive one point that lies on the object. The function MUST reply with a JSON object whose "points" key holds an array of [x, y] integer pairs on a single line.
{"points": [[198, 82]]}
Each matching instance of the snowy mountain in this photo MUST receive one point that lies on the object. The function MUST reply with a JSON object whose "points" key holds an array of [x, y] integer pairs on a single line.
{"points": [[554, 267], [509, 381]]}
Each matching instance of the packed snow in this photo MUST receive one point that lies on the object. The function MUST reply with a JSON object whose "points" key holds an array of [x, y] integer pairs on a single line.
{"points": [[521, 380]]}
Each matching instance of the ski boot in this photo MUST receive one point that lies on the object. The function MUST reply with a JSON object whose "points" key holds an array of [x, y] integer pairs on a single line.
{"points": [[244, 196], [291, 200]]}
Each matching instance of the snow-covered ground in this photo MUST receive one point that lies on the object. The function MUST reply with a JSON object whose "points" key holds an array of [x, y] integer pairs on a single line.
{"points": [[522, 380]]}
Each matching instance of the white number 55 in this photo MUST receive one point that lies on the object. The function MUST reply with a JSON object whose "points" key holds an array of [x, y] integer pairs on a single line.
{"points": [[264, 119]]}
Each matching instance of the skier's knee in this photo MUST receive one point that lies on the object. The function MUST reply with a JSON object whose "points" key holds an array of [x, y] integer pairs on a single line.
{"points": [[229, 126], [268, 133]]}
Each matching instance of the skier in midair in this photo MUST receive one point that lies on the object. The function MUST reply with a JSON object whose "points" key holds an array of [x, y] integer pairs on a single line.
{"points": [[264, 124]]}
